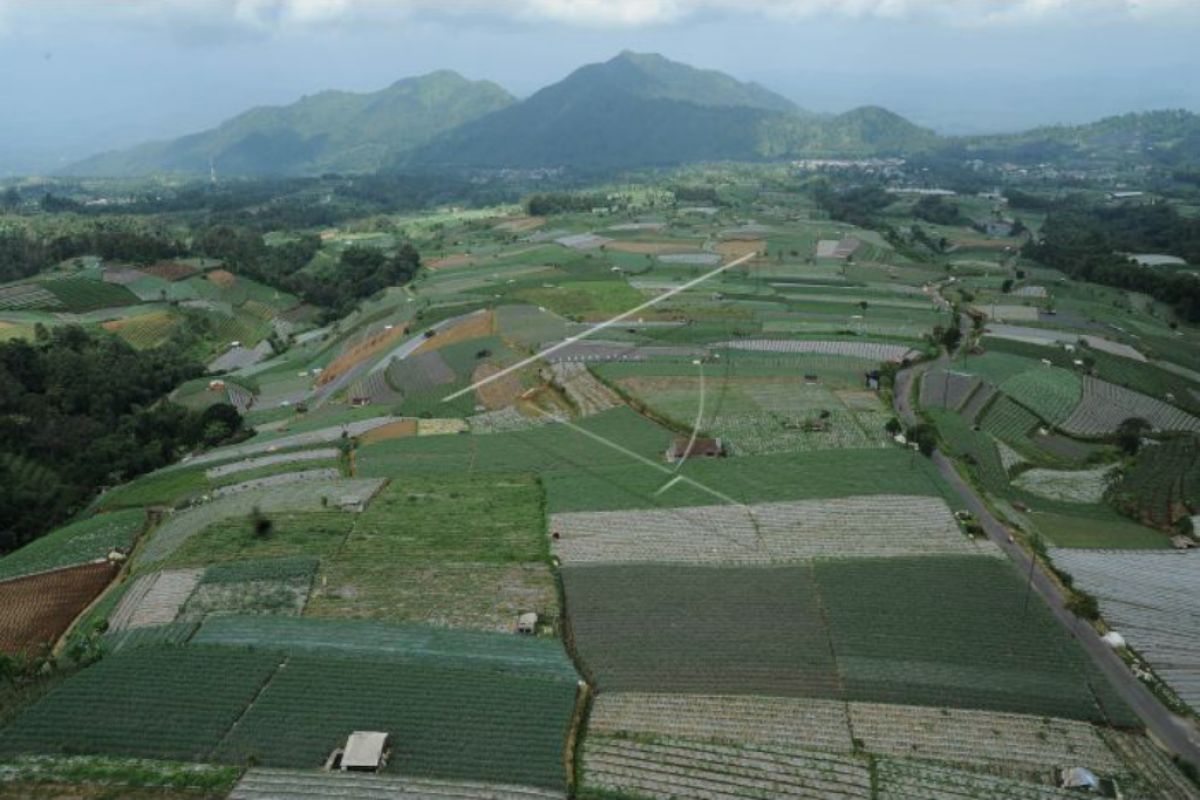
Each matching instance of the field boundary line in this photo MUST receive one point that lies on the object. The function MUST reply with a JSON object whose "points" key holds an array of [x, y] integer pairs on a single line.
{"points": [[570, 340], [265, 684]]}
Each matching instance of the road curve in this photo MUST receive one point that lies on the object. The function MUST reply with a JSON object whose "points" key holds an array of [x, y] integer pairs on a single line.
{"points": [[1175, 733]]}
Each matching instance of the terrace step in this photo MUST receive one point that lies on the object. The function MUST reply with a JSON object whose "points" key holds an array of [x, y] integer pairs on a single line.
{"points": [[280, 784]]}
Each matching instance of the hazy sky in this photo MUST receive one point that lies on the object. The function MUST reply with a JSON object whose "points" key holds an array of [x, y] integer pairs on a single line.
{"points": [[90, 75]]}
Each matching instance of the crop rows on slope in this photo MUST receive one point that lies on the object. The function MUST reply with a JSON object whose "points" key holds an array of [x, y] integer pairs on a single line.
{"points": [[1163, 484], [306, 496], [1150, 598], [983, 738], [261, 783], [914, 780], [780, 722], [1049, 392], [86, 540], [446, 722], [866, 526], [247, 464], [174, 703], [36, 609], [942, 388], [1008, 421], [670, 768], [1105, 406], [701, 629], [949, 631], [872, 350], [1072, 486]]}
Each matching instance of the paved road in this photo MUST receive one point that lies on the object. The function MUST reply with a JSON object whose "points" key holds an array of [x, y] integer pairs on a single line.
{"points": [[1177, 734]]}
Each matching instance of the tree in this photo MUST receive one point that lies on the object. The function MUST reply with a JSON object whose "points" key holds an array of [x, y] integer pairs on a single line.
{"points": [[893, 426], [864, 305], [924, 436], [1007, 286], [1129, 434], [951, 337]]}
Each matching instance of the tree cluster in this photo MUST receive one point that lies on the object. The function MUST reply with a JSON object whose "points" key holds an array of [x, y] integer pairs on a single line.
{"points": [[81, 410], [1088, 243]]}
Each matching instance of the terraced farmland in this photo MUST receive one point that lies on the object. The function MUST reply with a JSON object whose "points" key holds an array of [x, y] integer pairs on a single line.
{"points": [[870, 526], [775, 722], [666, 768], [1162, 485], [169, 702], [868, 350], [1072, 486], [277, 784], [1105, 406], [966, 640], [79, 542], [36, 609]]}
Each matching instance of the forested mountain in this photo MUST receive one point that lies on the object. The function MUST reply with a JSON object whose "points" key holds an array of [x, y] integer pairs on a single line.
{"points": [[642, 109], [1169, 138], [327, 132]]}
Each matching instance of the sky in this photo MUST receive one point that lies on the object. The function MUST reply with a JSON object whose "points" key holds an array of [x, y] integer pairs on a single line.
{"points": [[84, 76]]}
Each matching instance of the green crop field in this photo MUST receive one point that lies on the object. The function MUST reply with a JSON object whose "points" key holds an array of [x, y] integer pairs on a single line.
{"points": [[83, 294], [746, 479], [314, 534], [444, 722], [965, 639], [454, 550], [706, 630], [150, 702], [77, 543]]}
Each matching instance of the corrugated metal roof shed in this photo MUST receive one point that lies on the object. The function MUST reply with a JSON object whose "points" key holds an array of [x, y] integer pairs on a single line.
{"points": [[364, 750]]}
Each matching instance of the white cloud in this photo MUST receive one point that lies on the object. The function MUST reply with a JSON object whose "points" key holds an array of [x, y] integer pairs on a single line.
{"points": [[202, 18]]}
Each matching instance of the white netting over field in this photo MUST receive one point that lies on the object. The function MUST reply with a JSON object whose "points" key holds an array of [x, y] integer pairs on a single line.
{"points": [[1150, 597], [155, 599], [872, 526], [1105, 406], [873, 351], [914, 780], [272, 460]]}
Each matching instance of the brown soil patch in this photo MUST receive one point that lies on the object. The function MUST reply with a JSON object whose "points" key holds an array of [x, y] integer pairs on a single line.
{"points": [[359, 352], [472, 327], [37, 609], [393, 430], [653, 247], [521, 224], [986, 244], [171, 270], [739, 247], [452, 260], [221, 277], [499, 393]]}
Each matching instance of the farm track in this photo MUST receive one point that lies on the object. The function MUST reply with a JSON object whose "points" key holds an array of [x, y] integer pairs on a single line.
{"points": [[1177, 734]]}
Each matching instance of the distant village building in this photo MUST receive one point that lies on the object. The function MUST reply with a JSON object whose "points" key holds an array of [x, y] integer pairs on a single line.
{"points": [[702, 447]]}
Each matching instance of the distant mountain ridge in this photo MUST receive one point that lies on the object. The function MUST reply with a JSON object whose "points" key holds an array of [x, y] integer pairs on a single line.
{"points": [[634, 110], [327, 132], [643, 109]]}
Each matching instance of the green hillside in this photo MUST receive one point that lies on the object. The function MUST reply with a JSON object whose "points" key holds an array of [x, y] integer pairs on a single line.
{"points": [[643, 109], [329, 131]]}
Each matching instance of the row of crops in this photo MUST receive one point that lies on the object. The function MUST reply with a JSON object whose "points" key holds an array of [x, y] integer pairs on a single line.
{"points": [[855, 527], [449, 715], [857, 630]]}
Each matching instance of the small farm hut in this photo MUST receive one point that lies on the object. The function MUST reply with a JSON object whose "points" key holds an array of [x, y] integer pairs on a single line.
{"points": [[366, 751], [703, 447], [216, 385], [1080, 779], [527, 623]]}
